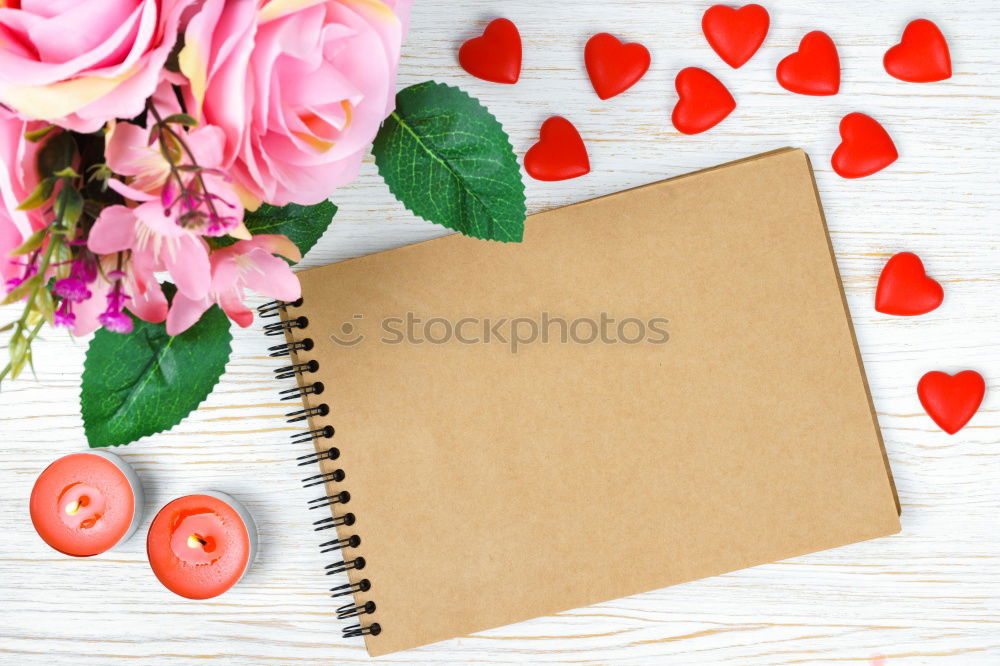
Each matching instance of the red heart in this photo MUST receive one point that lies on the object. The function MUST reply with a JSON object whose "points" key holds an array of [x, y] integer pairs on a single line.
{"points": [[559, 154], [735, 34], [951, 400], [922, 56], [865, 147], [904, 288], [814, 69], [614, 67], [496, 55], [704, 101]]}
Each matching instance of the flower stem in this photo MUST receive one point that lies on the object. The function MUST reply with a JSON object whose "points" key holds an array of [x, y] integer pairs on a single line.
{"points": [[14, 364]]}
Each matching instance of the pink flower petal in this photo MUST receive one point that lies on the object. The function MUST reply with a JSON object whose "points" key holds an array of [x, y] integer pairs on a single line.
{"points": [[88, 311], [127, 148], [114, 231], [270, 276], [278, 244], [235, 310], [186, 259], [185, 312], [148, 302]]}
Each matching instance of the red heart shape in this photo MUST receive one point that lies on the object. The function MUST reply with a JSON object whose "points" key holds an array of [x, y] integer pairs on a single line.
{"points": [[922, 56], [951, 400], [735, 34], [614, 67], [904, 288], [865, 147], [560, 153], [496, 55], [814, 69], [704, 101]]}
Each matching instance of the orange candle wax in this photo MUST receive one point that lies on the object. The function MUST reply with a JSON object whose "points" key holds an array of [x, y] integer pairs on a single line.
{"points": [[86, 503], [199, 546]]}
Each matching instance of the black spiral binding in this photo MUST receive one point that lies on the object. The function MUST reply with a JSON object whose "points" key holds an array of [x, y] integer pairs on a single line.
{"points": [[298, 368]]}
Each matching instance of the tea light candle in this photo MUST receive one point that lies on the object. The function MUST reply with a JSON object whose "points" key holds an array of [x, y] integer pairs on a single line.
{"points": [[200, 545], [86, 503]]}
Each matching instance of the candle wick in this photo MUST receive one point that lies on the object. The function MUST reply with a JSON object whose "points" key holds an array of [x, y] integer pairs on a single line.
{"points": [[72, 508], [195, 541]]}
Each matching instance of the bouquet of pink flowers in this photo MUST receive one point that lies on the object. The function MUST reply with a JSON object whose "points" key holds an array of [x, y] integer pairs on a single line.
{"points": [[161, 157]]}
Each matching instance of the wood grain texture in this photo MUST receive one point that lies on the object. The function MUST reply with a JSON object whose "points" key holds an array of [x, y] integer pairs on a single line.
{"points": [[928, 595]]}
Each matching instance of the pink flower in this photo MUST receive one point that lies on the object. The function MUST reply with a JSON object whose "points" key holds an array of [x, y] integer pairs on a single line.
{"points": [[18, 179], [180, 252], [79, 64], [18, 173], [164, 205], [299, 87], [164, 230], [10, 238], [246, 264], [134, 287]]}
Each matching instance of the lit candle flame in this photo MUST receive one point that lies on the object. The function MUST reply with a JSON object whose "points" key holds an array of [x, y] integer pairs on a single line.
{"points": [[73, 507], [195, 541]]}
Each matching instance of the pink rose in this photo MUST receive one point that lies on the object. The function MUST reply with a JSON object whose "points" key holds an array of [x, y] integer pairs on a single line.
{"points": [[18, 174], [299, 87], [10, 238], [79, 64], [18, 179]]}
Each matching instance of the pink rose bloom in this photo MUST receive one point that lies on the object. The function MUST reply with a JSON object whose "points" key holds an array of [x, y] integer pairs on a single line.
{"points": [[79, 63], [18, 179], [299, 87], [10, 238], [18, 173]]}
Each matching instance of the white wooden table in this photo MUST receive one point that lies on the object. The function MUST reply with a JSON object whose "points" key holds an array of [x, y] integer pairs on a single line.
{"points": [[928, 595]]}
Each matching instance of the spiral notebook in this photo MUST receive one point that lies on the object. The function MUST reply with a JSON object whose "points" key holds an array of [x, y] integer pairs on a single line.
{"points": [[654, 387]]}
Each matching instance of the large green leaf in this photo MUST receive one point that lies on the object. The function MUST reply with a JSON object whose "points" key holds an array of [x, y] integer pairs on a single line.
{"points": [[147, 381], [447, 159], [302, 224]]}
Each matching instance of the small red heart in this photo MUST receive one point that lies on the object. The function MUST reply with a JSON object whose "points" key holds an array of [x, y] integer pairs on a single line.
{"points": [[904, 288], [922, 56], [865, 147], [814, 69], [614, 67], [560, 153], [496, 55], [704, 101], [951, 400], [735, 34]]}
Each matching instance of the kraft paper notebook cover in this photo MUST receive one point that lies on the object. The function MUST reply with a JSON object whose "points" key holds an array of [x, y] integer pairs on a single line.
{"points": [[489, 486]]}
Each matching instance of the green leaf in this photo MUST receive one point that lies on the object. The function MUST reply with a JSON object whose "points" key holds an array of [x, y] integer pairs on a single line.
{"points": [[71, 203], [45, 305], [68, 172], [40, 196], [447, 159], [34, 242], [147, 381], [20, 291], [56, 154], [302, 224], [37, 135], [180, 119]]}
